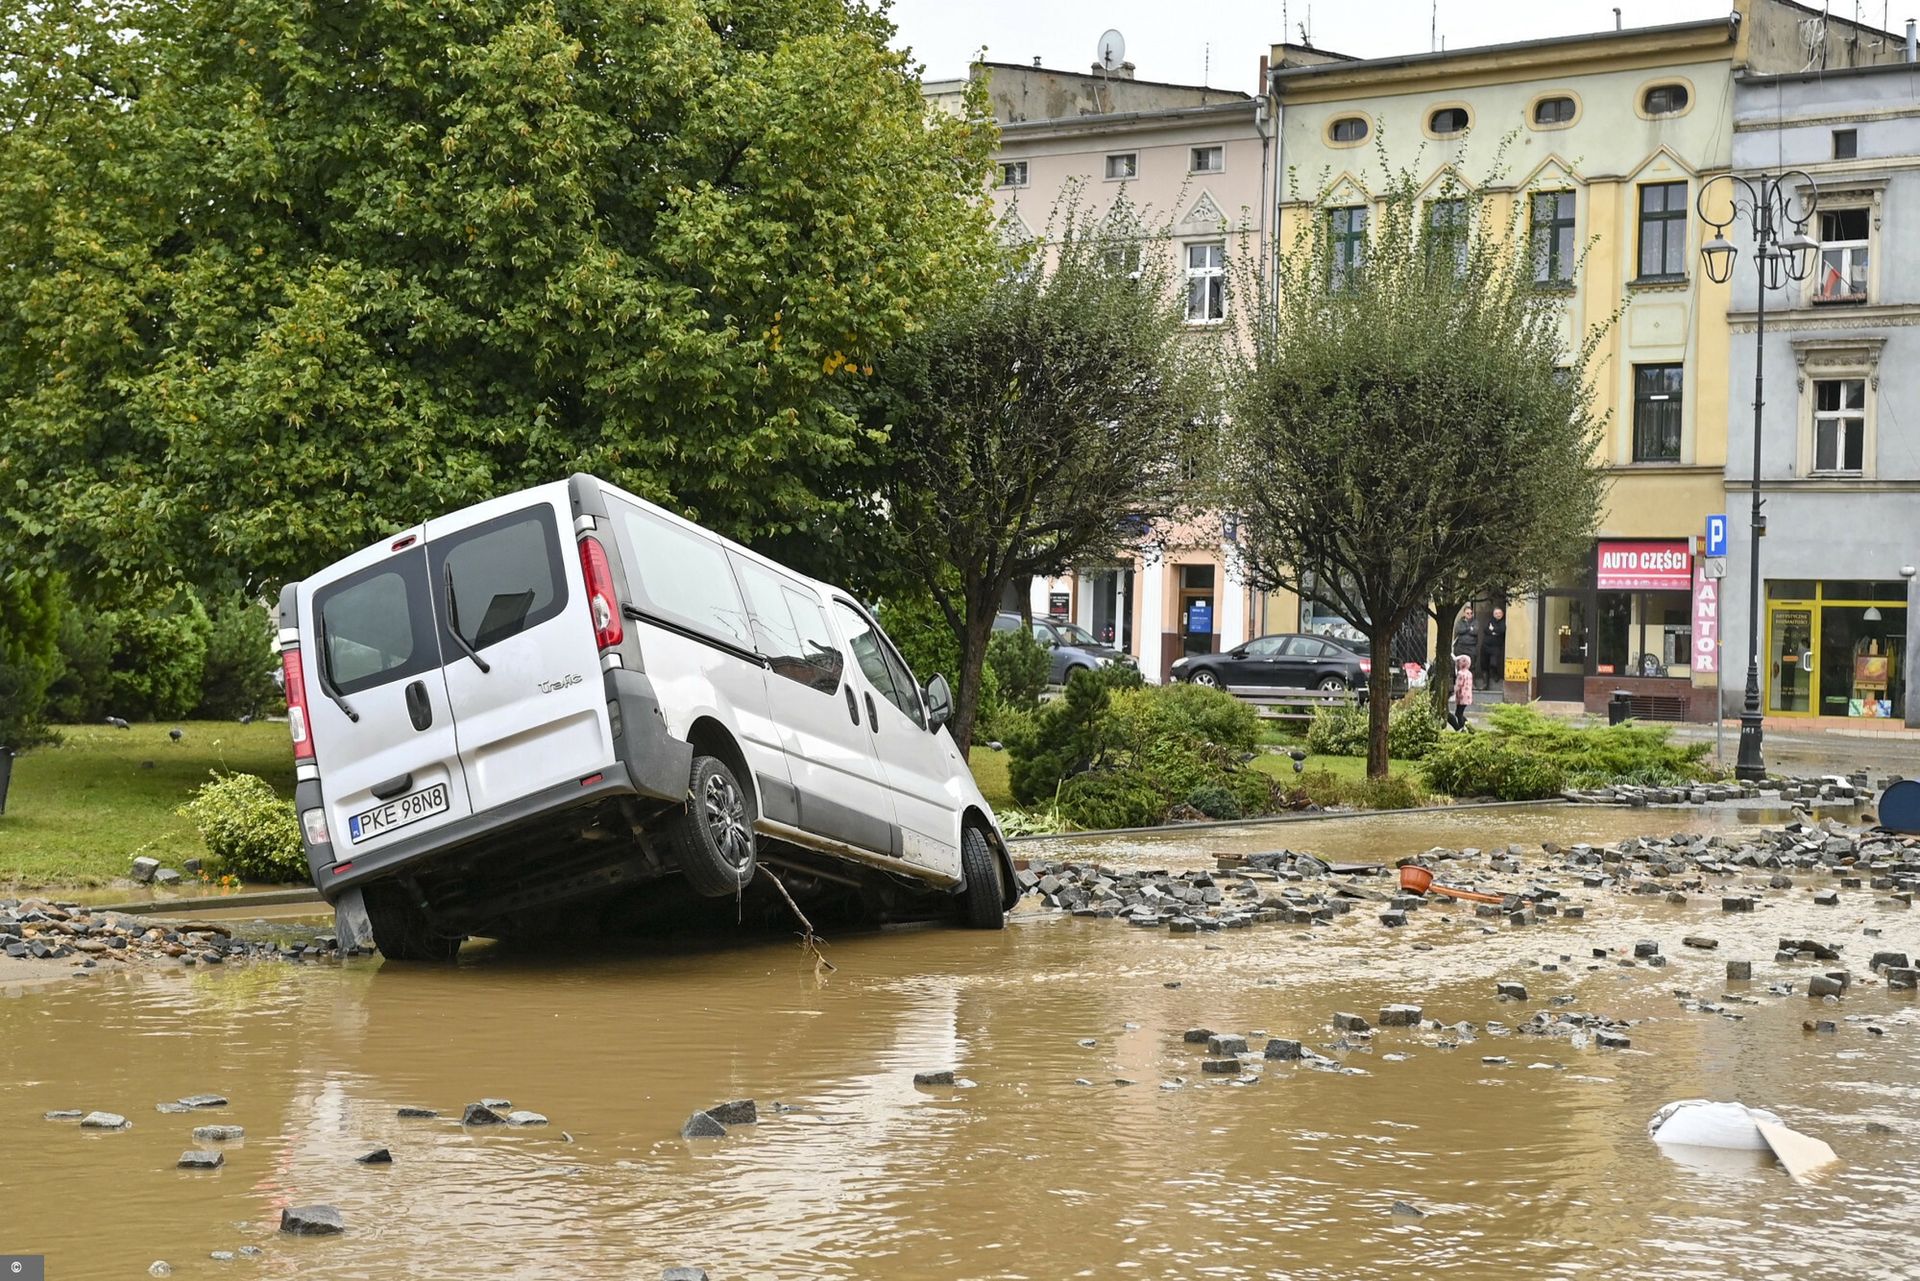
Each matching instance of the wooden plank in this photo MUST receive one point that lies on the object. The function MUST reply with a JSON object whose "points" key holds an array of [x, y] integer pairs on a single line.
{"points": [[1803, 1155]]}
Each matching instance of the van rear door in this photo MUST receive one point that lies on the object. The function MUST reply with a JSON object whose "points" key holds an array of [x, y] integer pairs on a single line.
{"points": [[522, 667], [376, 702]]}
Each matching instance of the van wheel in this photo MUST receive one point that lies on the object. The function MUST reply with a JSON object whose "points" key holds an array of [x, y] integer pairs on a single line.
{"points": [[980, 902], [714, 837], [402, 930]]}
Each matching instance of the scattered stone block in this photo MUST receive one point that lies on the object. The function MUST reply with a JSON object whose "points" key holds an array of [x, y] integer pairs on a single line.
{"points": [[1739, 969], [481, 1114], [1198, 1035], [1224, 1045], [144, 869], [1612, 1040], [104, 1121], [1408, 1211], [1220, 1066], [1824, 985], [201, 1160], [1704, 944], [684, 1274], [421, 1114], [218, 1133], [1350, 1023], [204, 1101], [1510, 991], [1399, 1015], [737, 1112], [1283, 1050], [312, 1221], [702, 1126], [944, 1077], [379, 1156], [525, 1118]]}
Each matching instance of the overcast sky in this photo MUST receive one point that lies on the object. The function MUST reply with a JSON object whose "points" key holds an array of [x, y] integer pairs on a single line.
{"points": [[1168, 39]]}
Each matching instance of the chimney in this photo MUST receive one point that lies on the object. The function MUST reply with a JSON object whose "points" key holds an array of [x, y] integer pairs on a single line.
{"points": [[1036, 59], [1616, 17], [1913, 52], [1122, 72], [1266, 83]]}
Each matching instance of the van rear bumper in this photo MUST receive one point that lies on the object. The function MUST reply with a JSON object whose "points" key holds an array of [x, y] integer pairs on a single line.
{"points": [[650, 764]]}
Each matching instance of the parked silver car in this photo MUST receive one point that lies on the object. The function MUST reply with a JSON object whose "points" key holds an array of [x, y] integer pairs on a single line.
{"points": [[1071, 647]]}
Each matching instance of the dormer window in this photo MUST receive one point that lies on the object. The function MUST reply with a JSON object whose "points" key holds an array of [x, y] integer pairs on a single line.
{"points": [[1665, 100]]}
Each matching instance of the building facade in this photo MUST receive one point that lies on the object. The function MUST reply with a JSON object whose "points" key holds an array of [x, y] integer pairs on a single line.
{"points": [[1594, 148], [1199, 159], [1840, 429]]}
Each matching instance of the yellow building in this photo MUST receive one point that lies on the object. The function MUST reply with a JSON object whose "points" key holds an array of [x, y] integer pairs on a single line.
{"points": [[1603, 138]]}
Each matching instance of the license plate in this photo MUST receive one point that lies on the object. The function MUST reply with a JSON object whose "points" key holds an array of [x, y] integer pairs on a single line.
{"points": [[410, 808]]}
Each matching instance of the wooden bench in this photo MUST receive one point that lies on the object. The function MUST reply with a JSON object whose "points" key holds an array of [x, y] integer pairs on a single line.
{"points": [[1274, 704]]}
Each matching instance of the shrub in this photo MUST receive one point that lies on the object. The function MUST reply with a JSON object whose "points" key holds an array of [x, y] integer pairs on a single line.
{"points": [[1064, 738], [1121, 676], [1105, 798], [30, 611], [1523, 755], [249, 831], [1394, 792], [1484, 765], [238, 675], [160, 656], [84, 686], [1021, 665], [1338, 731], [1193, 715], [1215, 800], [1413, 728]]}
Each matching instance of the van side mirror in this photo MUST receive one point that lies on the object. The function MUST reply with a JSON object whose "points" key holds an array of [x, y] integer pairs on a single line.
{"points": [[939, 702]]}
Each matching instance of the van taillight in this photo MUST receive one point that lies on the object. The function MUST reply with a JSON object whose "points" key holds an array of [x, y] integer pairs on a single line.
{"points": [[608, 630], [291, 669]]}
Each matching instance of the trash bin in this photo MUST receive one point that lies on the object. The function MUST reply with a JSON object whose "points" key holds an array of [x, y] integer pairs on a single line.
{"points": [[1619, 707], [6, 775]]}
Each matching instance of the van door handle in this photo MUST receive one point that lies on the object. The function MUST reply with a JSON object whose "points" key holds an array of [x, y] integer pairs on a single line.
{"points": [[873, 716], [853, 707], [419, 707], [392, 787]]}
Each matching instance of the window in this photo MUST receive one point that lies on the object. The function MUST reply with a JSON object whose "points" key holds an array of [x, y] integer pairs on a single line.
{"points": [[685, 576], [882, 667], [1206, 283], [505, 576], [1448, 121], [789, 630], [1656, 413], [1348, 129], [1124, 165], [1663, 230], [1665, 100], [1445, 243], [1839, 424], [1264, 647], [1347, 234], [1123, 259], [1846, 144], [1554, 111], [1208, 160], [1553, 237], [377, 626], [1843, 256], [1013, 173]]}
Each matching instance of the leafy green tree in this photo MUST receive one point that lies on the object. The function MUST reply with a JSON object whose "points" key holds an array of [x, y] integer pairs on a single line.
{"points": [[279, 277], [1040, 422], [1414, 424], [159, 657], [237, 678]]}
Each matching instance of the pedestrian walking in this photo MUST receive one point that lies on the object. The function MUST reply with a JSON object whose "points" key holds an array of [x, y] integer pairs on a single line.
{"points": [[1462, 691], [1493, 650]]}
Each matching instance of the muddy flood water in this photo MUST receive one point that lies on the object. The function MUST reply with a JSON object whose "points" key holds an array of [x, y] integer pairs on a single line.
{"points": [[1051, 1159]]}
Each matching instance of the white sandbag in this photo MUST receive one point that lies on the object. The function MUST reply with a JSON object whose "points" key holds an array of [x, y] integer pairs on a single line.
{"points": [[1705, 1124]]}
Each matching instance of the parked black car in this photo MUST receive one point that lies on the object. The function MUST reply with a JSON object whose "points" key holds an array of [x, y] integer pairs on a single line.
{"points": [[1292, 660]]}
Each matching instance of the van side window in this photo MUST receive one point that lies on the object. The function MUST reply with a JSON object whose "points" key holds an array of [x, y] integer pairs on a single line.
{"points": [[883, 668], [685, 576], [378, 624], [506, 576], [789, 630]]}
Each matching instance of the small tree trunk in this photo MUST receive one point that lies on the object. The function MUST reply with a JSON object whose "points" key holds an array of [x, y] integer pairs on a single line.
{"points": [[1024, 586], [1440, 674], [975, 631], [1379, 702]]}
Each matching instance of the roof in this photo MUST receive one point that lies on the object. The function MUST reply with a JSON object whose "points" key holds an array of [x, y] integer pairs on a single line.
{"points": [[1088, 75]]}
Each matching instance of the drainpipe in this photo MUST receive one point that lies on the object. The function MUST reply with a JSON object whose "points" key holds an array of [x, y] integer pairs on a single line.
{"points": [[1913, 52]]}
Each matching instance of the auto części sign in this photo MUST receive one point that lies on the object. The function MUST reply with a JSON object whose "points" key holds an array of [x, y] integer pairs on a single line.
{"points": [[1662, 566]]}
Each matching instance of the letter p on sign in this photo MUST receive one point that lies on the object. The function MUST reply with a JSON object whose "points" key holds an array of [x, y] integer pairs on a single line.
{"points": [[1716, 535]]}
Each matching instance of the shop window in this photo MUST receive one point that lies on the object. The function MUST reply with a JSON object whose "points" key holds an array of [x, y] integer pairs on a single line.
{"points": [[1836, 648], [1656, 413], [1553, 237], [1844, 252], [1839, 425], [1663, 230]]}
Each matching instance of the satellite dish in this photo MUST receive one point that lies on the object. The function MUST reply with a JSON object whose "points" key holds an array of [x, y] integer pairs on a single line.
{"points": [[1113, 50]]}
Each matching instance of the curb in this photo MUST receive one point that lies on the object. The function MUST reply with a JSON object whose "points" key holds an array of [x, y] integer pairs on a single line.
{"points": [[263, 898], [1272, 819]]}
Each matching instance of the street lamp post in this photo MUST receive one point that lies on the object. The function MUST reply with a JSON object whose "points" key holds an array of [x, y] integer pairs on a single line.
{"points": [[1778, 208]]}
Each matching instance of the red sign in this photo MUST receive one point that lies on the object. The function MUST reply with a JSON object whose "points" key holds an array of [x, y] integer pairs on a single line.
{"points": [[1664, 566]]}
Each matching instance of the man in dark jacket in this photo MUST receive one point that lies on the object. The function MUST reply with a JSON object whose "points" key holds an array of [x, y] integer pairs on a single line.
{"points": [[1493, 650]]}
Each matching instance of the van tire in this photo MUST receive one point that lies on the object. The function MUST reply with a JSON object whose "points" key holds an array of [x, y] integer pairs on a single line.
{"points": [[402, 930], [980, 901], [713, 838]]}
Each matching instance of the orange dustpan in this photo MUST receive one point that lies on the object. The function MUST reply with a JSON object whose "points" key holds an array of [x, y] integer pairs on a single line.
{"points": [[1419, 880]]}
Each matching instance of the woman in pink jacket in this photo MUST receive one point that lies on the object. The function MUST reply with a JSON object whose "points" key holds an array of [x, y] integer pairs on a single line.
{"points": [[1462, 691]]}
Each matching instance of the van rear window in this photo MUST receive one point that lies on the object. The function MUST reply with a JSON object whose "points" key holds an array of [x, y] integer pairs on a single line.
{"points": [[506, 576], [377, 625]]}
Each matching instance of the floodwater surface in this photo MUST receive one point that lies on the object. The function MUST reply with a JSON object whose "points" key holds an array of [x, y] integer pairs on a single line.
{"points": [[1054, 1159]]}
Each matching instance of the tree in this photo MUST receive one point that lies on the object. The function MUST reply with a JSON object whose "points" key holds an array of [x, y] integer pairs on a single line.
{"points": [[30, 612], [277, 278], [1042, 422], [1413, 426]]}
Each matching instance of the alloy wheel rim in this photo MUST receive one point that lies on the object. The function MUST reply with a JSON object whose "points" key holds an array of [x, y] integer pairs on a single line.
{"points": [[727, 820]]}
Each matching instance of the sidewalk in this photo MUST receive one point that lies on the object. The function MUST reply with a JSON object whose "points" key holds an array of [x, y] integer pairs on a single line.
{"points": [[1810, 727]]}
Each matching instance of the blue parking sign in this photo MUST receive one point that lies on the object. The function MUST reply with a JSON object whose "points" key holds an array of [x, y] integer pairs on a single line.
{"points": [[1716, 535]]}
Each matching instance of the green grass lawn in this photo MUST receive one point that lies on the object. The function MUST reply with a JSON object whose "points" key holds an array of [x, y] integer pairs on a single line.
{"points": [[990, 772], [1280, 765], [78, 812]]}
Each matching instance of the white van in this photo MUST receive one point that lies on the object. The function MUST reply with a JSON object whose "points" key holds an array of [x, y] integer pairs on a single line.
{"points": [[569, 692]]}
